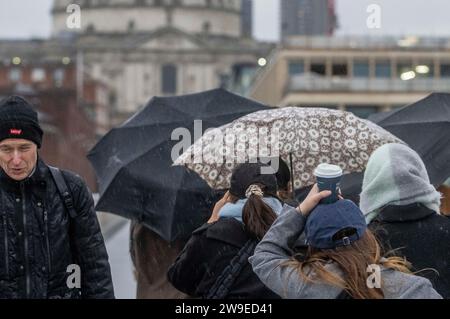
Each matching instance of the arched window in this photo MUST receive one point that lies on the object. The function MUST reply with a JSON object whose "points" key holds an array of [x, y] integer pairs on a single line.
{"points": [[169, 79]]}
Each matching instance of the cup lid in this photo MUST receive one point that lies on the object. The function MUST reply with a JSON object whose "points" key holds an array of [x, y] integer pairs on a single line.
{"points": [[328, 170]]}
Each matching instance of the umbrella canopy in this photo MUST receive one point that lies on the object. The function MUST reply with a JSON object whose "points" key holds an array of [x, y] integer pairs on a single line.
{"points": [[425, 127], [133, 162], [309, 136]]}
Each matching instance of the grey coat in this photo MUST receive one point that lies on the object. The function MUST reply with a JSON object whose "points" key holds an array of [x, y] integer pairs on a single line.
{"points": [[275, 247]]}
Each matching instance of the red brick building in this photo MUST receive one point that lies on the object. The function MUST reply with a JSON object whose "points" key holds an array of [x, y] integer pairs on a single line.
{"points": [[72, 107]]}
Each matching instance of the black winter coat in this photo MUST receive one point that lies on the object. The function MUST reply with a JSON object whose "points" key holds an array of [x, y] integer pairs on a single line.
{"points": [[423, 238], [35, 246], [207, 253]]}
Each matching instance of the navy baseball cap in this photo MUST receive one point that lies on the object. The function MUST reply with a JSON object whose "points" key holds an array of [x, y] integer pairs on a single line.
{"points": [[333, 225]]}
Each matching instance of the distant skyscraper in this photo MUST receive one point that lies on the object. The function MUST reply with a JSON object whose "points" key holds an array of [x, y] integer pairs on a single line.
{"points": [[307, 17], [247, 18]]}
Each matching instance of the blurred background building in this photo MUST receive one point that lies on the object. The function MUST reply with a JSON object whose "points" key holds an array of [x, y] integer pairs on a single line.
{"points": [[358, 74], [85, 81], [46, 73], [128, 51], [146, 48], [307, 17], [247, 18]]}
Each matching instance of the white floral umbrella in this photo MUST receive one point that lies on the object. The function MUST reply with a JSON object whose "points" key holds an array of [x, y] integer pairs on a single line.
{"points": [[310, 136]]}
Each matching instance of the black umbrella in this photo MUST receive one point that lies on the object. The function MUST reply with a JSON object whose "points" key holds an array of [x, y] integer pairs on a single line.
{"points": [[133, 162], [425, 127]]}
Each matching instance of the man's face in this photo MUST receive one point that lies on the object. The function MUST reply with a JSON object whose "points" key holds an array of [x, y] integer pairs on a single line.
{"points": [[18, 157]]}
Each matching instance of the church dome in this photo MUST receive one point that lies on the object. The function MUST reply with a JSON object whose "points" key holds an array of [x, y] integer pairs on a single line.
{"points": [[215, 17]]}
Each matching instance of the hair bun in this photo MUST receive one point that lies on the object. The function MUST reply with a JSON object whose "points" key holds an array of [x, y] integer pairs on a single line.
{"points": [[254, 190]]}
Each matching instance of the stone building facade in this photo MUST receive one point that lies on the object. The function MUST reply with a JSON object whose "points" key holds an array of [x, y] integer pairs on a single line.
{"points": [[124, 53], [145, 48]]}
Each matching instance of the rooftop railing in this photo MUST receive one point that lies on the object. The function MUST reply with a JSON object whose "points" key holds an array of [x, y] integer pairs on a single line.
{"points": [[319, 83], [364, 42]]}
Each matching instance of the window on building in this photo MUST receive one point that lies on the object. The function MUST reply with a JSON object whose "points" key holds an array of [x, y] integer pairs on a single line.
{"points": [[363, 111], [445, 70], [38, 75], [296, 67], [339, 69], [383, 69], [333, 107], [112, 100], [169, 79], [206, 27], [404, 67], [90, 28], [224, 80], [396, 106], [326, 106], [318, 68], [58, 77], [361, 69], [15, 75], [424, 69], [131, 25]]}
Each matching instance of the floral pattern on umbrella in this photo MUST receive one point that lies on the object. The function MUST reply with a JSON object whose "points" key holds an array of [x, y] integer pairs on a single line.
{"points": [[310, 135]]}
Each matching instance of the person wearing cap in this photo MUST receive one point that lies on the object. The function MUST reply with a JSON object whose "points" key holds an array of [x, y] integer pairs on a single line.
{"points": [[343, 256], [41, 245], [214, 262], [403, 208]]}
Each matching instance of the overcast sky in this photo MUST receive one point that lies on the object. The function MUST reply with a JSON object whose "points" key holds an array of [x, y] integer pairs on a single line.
{"points": [[31, 18]]}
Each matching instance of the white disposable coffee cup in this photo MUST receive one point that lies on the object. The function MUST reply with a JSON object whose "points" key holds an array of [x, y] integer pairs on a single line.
{"points": [[328, 177], [328, 171]]}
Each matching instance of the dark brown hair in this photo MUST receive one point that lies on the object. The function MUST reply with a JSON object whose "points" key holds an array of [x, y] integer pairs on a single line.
{"points": [[257, 215]]}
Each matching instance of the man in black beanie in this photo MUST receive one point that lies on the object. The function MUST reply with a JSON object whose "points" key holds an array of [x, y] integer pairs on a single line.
{"points": [[51, 245]]}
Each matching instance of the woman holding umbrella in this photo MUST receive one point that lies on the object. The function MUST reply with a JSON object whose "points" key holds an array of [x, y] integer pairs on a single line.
{"points": [[214, 262]]}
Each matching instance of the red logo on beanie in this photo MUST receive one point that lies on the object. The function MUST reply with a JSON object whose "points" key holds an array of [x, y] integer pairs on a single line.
{"points": [[15, 131]]}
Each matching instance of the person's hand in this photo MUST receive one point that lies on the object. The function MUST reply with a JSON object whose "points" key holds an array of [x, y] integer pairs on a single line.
{"points": [[311, 201], [220, 203], [340, 194]]}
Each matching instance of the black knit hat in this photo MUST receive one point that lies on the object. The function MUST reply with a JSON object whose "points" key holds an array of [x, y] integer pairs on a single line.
{"points": [[250, 173], [19, 120]]}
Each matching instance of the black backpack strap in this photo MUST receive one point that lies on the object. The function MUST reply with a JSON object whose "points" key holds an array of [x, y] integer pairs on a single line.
{"points": [[63, 190], [67, 198], [222, 285]]}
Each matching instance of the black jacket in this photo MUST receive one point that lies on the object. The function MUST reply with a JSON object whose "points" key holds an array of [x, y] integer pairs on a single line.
{"points": [[39, 240], [207, 253], [422, 236]]}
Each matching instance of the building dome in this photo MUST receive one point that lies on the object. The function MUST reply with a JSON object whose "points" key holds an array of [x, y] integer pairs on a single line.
{"points": [[215, 17]]}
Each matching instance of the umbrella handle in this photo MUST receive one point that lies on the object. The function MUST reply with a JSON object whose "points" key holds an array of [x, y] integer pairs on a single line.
{"points": [[292, 176]]}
